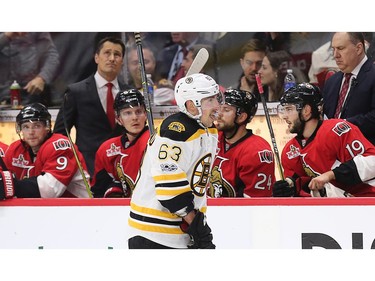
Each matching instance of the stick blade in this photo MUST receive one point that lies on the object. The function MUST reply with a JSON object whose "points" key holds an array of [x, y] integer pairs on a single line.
{"points": [[200, 60]]}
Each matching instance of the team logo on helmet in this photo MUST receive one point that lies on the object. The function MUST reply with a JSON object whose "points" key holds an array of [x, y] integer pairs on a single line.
{"points": [[189, 80]]}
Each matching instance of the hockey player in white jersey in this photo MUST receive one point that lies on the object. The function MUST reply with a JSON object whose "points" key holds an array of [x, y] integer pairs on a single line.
{"points": [[168, 205]]}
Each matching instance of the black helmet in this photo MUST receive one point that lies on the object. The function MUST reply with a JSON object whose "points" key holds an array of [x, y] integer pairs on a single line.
{"points": [[302, 94], [33, 112], [245, 101], [128, 99]]}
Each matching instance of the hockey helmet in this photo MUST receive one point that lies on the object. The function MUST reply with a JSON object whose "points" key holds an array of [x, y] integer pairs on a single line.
{"points": [[195, 87], [128, 99], [33, 112], [245, 101], [302, 94]]}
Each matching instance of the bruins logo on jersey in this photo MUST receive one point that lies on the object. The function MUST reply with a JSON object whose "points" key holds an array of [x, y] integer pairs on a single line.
{"points": [[200, 176], [176, 126]]}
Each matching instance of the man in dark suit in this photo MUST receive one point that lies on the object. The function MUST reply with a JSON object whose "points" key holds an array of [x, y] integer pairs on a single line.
{"points": [[357, 104], [85, 102]]}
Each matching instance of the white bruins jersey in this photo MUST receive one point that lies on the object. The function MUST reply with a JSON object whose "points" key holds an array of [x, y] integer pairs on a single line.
{"points": [[173, 180]]}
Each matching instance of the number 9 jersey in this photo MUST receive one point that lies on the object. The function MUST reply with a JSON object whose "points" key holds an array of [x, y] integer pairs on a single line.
{"points": [[54, 167]]}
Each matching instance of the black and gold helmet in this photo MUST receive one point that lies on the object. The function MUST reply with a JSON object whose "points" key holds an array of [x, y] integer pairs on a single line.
{"points": [[245, 101]]}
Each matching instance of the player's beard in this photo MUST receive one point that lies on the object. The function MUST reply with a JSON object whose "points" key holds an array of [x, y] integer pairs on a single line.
{"points": [[229, 130], [297, 126]]}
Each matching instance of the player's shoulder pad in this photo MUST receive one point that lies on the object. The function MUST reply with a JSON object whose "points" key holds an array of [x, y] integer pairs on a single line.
{"points": [[178, 127]]}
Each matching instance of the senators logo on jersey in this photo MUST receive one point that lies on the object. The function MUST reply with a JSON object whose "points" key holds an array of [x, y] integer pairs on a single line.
{"points": [[293, 152], [61, 144], [126, 180], [341, 128], [265, 156]]}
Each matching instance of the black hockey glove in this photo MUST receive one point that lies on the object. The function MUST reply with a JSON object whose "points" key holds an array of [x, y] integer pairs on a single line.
{"points": [[200, 233], [7, 185], [106, 187], [117, 190], [283, 188]]}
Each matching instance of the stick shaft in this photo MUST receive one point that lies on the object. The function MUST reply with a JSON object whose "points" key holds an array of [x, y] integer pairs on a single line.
{"points": [[79, 164], [146, 92], [270, 129]]}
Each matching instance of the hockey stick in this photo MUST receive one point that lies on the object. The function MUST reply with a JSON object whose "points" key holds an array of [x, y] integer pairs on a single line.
{"points": [[88, 189], [199, 61], [273, 140], [146, 92]]}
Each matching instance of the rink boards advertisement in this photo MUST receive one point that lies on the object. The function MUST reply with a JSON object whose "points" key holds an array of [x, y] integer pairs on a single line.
{"points": [[251, 223]]}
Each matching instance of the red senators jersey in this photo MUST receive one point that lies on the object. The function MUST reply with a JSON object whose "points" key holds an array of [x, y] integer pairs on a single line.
{"points": [[120, 159], [244, 169], [335, 145], [54, 166], [3, 149]]}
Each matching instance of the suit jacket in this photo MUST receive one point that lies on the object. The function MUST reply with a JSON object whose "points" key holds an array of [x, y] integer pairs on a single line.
{"points": [[84, 111], [359, 107]]}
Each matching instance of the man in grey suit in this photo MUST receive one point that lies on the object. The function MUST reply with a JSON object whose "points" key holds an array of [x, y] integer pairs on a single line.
{"points": [[85, 102]]}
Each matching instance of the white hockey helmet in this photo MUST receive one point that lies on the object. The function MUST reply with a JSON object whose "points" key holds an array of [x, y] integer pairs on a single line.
{"points": [[194, 87]]}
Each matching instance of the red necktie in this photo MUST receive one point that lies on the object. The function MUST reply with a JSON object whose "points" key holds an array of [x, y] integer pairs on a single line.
{"points": [[342, 95], [110, 110]]}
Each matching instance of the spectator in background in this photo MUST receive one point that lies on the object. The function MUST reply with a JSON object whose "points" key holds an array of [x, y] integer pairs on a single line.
{"points": [[303, 44], [31, 59], [134, 69], [358, 96], [323, 65], [272, 73], [118, 159], [244, 166], [275, 41], [163, 88], [43, 163], [86, 102], [170, 58], [192, 53], [252, 54]]}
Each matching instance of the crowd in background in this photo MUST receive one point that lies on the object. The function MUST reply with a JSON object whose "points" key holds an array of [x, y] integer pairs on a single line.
{"points": [[70, 58]]}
